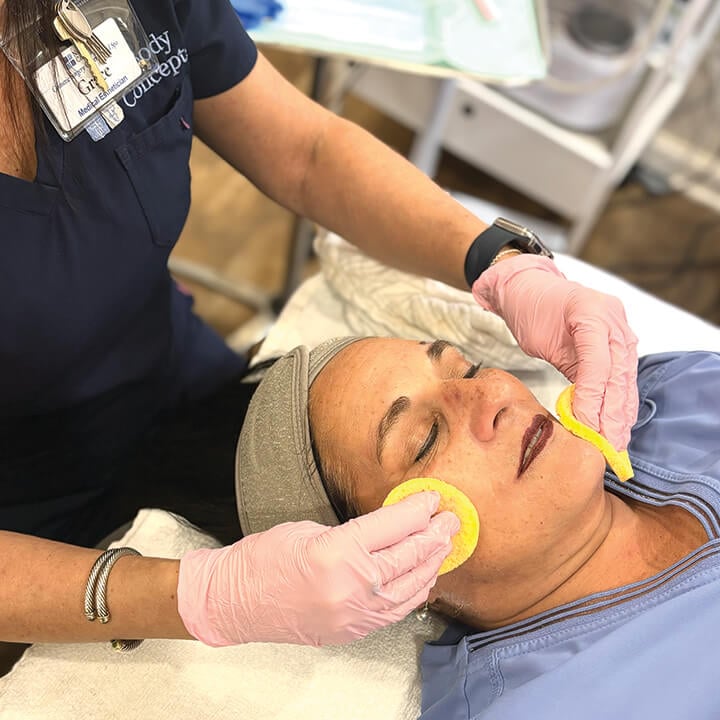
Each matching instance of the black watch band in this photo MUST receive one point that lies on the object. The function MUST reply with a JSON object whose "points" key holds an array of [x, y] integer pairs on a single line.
{"points": [[484, 249]]}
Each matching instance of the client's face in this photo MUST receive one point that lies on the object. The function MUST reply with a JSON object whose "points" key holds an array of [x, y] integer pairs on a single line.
{"points": [[385, 410]]}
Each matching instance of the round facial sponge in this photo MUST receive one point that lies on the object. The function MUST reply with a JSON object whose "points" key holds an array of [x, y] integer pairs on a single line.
{"points": [[618, 461], [466, 539]]}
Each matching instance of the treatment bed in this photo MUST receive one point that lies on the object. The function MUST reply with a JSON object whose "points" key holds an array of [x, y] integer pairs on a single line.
{"points": [[373, 678]]}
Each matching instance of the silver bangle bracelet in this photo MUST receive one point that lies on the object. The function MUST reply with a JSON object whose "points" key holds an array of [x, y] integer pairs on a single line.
{"points": [[95, 604]]}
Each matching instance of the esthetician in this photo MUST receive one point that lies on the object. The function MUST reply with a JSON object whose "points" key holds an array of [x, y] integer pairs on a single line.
{"points": [[115, 395]]}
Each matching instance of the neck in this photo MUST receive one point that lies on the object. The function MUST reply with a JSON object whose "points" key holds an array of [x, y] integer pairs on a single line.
{"points": [[639, 542]]}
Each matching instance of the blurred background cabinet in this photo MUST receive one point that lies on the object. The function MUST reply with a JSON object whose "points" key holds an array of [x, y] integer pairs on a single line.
{"points": [[567, 157]]}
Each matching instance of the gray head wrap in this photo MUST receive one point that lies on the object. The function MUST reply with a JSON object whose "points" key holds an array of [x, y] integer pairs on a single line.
{"points": [[276, 478]]}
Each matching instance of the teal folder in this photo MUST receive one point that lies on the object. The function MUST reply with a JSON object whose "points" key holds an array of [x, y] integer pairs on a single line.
{"points": [[448, 36]]}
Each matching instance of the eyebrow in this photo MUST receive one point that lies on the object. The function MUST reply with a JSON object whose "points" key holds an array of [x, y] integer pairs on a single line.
{"points": [[402, 404], [436, 349], [399, 406]]}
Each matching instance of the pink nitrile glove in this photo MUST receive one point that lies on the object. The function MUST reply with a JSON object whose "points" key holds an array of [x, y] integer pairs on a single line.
{"points": [[582, 332], [310, 584]]}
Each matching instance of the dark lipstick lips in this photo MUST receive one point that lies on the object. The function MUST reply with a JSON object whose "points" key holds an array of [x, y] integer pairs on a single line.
{"points": [[539, 422]]}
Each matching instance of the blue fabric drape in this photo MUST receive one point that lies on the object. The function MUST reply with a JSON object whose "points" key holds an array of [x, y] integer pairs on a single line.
{"points": [[251, 12]]}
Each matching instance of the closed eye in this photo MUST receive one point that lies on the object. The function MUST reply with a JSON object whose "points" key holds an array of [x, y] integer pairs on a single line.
{"points": [[429, 442], [472, 371]]}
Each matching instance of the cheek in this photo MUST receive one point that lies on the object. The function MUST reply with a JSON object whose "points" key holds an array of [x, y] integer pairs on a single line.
{"points": [[523, 523], [478, 469], [577, 462], [370, 487], [547, 499], [566, 491]]}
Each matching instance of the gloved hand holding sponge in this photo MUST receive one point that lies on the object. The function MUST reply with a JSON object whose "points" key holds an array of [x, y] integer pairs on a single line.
{"points": [[307, 583], [582, 332]]}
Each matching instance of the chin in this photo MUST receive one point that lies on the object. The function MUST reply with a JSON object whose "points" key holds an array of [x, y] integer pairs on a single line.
{"points": [[596, 463], [585, 459]]}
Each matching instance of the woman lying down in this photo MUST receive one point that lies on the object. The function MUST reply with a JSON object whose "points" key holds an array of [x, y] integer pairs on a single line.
{"points": [[585, 597]]}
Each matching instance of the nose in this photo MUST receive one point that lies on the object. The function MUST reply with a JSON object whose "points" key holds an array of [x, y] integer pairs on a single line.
{"points": [[474, 403]]}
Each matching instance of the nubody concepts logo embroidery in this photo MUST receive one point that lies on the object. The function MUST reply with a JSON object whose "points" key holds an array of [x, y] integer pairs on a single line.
{"points": [[170, 64]]}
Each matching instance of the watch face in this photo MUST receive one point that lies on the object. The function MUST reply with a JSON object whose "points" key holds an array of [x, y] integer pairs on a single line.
{"points": [[526, 238], [510, 226]]}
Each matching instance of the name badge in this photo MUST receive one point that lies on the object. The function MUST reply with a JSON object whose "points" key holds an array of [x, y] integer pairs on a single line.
{"points": [[71, 93]]}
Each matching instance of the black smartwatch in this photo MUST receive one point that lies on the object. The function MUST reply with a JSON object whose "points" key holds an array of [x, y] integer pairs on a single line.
{"points": [[489, 242]]}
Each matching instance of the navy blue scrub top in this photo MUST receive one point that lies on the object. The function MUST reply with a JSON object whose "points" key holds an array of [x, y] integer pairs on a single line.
{"points": [[88, 303], [90, 317]]}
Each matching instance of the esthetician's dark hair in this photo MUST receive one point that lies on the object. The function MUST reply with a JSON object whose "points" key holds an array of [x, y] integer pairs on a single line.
{"points": [[15, 16]]}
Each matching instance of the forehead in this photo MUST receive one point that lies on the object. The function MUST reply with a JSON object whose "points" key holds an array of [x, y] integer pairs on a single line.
{"points": [[385, 352], [357, 385], [369, 360], [352, 362], [360, 375]]}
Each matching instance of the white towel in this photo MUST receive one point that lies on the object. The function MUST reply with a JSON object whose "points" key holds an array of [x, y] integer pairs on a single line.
{"points": [[373, 678], [382, 301]]}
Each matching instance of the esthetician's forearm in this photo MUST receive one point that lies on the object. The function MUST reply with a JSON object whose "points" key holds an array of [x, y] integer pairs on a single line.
{"points": [[376, 199], [330, 170], [42, 588]]}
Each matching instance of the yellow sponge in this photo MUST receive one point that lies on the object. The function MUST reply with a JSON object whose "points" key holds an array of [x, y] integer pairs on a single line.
{"points": [[618, 461], [466, 539]]}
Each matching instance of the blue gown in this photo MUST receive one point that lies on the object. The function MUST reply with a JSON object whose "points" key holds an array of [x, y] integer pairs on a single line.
{"points": [[648, 651]]}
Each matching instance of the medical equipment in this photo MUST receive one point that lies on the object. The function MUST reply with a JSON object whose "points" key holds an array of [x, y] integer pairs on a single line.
{"points": [[478, 123], [426, 36], [598, 54], [452, 499], [619, 462]]}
